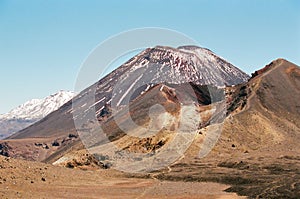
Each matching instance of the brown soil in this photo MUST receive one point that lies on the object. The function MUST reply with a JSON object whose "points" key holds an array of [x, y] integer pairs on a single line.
{"points": [[24, 179]]}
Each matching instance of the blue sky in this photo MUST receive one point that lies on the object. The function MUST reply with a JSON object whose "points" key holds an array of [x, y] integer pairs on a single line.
{"points": [[43, 43]]}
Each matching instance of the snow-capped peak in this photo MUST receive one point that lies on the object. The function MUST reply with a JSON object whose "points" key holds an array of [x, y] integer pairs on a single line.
{"points": [[39, 108]]}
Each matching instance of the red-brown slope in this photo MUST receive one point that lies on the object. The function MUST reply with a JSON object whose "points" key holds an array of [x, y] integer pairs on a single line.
{"points": [[267, 110], [258, 150]]}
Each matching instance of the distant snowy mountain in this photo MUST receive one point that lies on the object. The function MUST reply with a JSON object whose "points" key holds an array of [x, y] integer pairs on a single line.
{"points": [[39, 108], [31, 112]]}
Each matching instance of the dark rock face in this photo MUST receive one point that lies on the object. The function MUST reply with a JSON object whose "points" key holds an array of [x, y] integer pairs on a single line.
{"points": [[4, 149]]}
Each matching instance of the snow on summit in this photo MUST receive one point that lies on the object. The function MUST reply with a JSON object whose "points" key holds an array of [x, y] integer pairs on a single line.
{"points": [[39, 108]]}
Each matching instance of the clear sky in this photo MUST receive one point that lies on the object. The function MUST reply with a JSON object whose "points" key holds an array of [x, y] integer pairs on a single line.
{"points": [[43, 43]]}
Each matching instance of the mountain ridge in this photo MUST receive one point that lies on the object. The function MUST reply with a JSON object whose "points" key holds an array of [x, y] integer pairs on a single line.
{"points": [[31, 111], [39, 108]]}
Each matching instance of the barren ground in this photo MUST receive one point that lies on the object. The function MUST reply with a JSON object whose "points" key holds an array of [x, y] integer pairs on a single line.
{"points": [[24, 179]]}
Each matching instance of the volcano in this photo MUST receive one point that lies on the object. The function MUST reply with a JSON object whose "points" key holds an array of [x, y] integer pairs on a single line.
{"points": [[186, 64], [119, 119]]}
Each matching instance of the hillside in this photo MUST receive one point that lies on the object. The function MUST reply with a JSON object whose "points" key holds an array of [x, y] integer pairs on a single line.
{"points": [[258, 150]]}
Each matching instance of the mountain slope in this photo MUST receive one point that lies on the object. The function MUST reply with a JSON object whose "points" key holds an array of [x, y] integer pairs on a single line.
{"points": [[31, 112], [161, 64], [270, 108], [258, 150]]}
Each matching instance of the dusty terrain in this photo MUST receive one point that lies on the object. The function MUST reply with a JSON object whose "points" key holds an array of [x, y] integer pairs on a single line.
{"points": [[24, 179]]}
